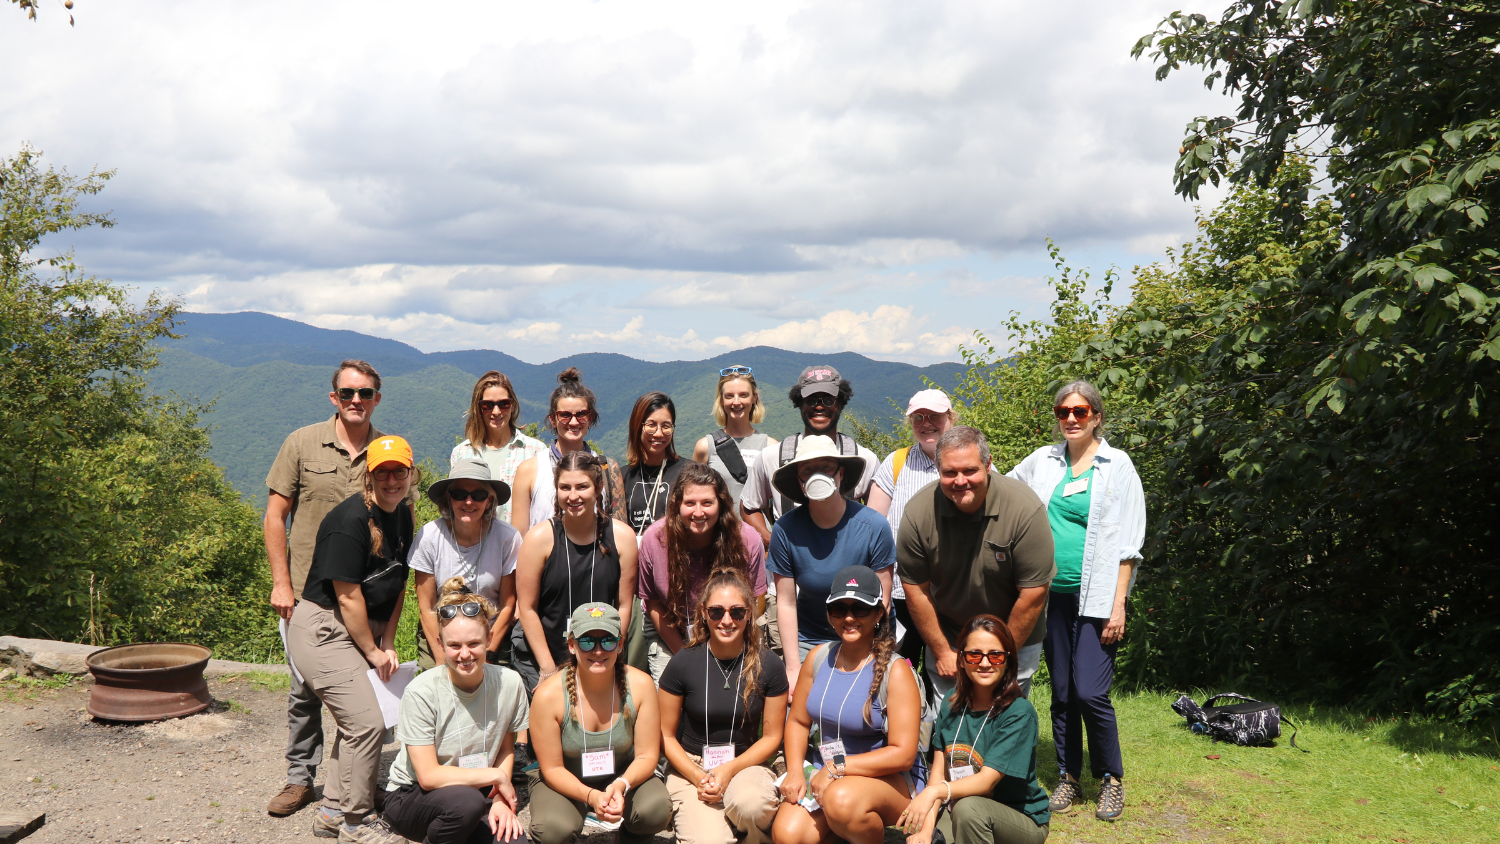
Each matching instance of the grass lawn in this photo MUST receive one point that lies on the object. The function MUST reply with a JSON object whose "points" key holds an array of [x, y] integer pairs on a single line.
{"points": [[1364, 780]]}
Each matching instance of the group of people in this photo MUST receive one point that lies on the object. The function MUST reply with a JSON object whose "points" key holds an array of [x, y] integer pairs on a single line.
{"points": [[644, 648]]}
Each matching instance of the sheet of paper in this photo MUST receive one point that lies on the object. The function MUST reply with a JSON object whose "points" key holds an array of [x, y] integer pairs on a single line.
{"points": [[281, 626], [389, 692]]}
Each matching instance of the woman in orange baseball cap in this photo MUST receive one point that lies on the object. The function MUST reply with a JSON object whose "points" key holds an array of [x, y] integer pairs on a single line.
{"points": [[345, 625]]}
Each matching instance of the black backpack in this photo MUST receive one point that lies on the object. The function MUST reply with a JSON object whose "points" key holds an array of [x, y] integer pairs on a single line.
{"points": [[1246, 724]]}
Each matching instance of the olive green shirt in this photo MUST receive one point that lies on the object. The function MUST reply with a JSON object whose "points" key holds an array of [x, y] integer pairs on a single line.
{"points": [[316, 473], [977, 563]]}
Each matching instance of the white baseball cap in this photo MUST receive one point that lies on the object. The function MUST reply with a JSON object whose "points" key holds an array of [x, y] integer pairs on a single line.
{"points": [[933, 400]]}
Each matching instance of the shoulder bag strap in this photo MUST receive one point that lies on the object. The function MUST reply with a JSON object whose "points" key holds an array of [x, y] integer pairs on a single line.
{"points": [[729, 452]]}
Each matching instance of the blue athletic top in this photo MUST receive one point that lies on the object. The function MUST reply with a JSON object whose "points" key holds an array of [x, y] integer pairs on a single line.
{"points": [[836, 706]]}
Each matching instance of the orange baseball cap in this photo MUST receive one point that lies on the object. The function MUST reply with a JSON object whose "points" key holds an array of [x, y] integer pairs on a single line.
{"points": [[388, 450]]}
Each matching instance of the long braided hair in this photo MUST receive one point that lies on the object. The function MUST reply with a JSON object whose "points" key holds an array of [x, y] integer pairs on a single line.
{"points": [[728, 545], [592, 465], [882, 650], [377, 536], [728, 578], [570, 679]]}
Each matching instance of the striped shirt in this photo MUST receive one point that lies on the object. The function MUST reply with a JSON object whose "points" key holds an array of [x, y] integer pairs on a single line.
{"points": [[919, 471], [503, 461]]}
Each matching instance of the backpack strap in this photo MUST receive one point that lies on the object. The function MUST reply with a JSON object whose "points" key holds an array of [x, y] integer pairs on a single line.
{"points": [[847, 446], [898, 462], [729, 452], [1210, 702], [784, 455]]}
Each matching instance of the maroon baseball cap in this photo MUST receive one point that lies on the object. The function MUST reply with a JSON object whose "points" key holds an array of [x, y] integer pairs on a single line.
{"points": [[819, 378]]}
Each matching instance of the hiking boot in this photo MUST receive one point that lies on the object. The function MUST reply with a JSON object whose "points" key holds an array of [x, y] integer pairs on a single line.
{"points": [[1111, 799], [373, 831], [326, 825], [1067, 795], [291, 798]]}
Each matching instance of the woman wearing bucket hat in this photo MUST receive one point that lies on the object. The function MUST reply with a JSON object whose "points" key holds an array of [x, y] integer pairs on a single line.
{"points": [[471, 542], [596, 733], [814, 541], [853, 735], [903, 472], [346, 624]]}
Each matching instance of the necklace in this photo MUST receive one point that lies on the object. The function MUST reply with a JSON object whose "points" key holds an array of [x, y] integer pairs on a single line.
{"points": [[733, 666]]}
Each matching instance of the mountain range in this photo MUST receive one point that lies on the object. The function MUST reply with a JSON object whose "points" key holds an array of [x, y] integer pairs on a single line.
{"points": [[263, 376]]}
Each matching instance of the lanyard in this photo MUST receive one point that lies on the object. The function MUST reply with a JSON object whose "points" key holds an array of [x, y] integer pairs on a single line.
{"points": [[567, 558], [478, 558], [839, 723], [962, 720], [484, 732], [609, 727], [651, 499], [708, 684]]}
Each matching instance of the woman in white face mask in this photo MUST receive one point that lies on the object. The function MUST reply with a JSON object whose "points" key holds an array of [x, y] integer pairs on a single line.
{"points": [[811, 543]]}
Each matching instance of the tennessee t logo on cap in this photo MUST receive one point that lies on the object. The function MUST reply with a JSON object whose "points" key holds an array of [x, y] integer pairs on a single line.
{"points": [[388, 450]]}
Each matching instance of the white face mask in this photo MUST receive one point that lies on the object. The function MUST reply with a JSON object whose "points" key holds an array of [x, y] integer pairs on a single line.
{"points": [[819, 486]]}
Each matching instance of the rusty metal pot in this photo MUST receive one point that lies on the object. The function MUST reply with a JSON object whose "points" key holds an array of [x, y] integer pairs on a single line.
{"points": [[148, 682]]}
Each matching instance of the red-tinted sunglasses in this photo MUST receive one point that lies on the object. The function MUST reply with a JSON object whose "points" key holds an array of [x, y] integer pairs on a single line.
{"points": [[1082, 412]]}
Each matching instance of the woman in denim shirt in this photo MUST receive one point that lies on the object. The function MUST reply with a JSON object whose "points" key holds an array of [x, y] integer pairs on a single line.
{"points": [[1098, 514]]}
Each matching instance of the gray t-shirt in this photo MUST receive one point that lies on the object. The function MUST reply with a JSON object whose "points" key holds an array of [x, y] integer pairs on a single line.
{"points": [[455, 723], [482, 565]]}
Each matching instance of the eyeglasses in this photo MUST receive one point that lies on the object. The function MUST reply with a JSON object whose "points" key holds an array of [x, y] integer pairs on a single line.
{"points": [[481, 495], [1081, 412], [920, 418], [736, 613], [840, 609], [348, 393], [588, 643], [468, 608], [400, 473], [653, 427], [736, 370], [821, 400], [994, 657], [566, 417], [492, 406]]}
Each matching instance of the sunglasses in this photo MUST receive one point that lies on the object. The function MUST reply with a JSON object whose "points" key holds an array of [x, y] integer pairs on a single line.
{"points": [[588, 643], [566, 417], [994, 657], [480, 495], [450, 611], [841, 609], [736, 613], [492, 406], [1081, 412], [400, 473], [348, 393], [736, 370], [821, 400]]}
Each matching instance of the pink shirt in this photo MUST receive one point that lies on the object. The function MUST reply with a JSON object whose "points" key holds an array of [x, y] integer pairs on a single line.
{"points": [[651, 582]]}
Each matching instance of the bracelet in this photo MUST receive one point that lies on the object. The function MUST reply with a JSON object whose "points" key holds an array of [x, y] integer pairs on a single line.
{"points": [[588, 794], [949, 786], [628, 786]]}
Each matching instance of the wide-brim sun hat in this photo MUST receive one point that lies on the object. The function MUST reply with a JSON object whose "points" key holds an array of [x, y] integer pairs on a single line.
{"points": [[469, 469], [817, 447]]}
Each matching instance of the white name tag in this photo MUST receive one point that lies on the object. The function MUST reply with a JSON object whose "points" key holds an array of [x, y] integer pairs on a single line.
{"points": [[598, 763], [715, 755], [832, 752], [1080, 485], [956, 774], [473, 760]]}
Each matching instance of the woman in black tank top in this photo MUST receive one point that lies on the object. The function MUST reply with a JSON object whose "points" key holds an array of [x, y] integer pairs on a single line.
{"points": [[577, 556]]}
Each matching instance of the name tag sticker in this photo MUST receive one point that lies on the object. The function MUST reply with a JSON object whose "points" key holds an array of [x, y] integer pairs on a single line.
{"points": [[1074, 488], [598, 763], [715, 755], [956, 774], [832, 752], [473, 760]]}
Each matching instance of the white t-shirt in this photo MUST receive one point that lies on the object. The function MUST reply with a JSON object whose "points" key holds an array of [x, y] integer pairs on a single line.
{"points": [[483, 565]]}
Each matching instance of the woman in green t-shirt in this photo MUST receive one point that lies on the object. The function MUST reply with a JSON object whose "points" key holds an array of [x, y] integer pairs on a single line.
{"points": [[983, 786]]}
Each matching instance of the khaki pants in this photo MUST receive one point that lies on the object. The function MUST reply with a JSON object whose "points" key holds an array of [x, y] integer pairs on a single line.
{"points": [[334, 668], [556, 819], [750, 804], [980, 820]]}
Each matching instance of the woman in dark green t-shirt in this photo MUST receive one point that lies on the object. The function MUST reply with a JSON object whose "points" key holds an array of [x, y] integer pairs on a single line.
{"points": [[983, 786]]}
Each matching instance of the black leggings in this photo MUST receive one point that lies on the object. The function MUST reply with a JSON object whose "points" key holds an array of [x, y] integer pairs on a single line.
{"points": [[453, 814]]}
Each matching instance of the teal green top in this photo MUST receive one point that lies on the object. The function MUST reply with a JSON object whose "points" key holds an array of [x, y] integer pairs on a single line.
{"points": [[1004, 741], [620, 738], [1069, 515]]}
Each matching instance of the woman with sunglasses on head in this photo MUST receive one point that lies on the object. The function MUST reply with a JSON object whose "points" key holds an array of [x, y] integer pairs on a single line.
{"points": [[570, 414], [723, 707], [578, 556], [699, 535], [492, 436], [451, 781], [983, 787], [595, 731], [737, 410], [346, 624], [469, 541], [861, 707], [1097, 510]]}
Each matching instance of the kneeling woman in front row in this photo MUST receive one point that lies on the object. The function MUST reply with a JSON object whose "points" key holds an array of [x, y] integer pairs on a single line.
{"points": [[450, 784], [864, 702], [596, 735], [723, 707], [984, 758]]}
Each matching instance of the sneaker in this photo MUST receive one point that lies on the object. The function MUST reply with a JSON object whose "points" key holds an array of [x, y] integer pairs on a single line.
{"points": [[291, 798], [1067, 795], [326, 825], [1111, 799], [373, 831]]}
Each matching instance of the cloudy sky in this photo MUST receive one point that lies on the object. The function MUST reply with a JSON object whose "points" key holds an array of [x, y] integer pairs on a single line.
{"points": [[665, 180]]}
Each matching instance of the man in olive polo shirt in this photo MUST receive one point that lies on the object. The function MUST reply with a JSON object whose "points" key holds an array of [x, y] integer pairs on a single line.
{"points": [[975, 542], [318, 467]]}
